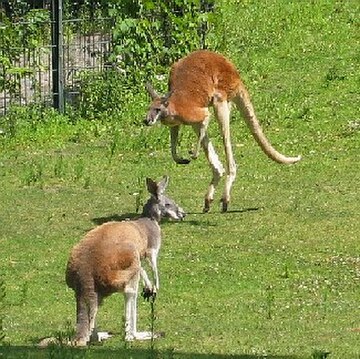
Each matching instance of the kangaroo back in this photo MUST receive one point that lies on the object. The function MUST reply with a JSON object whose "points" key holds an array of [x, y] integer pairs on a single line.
{"points": [[196, 79], [196, 82], [108, 260], [108, 256]]}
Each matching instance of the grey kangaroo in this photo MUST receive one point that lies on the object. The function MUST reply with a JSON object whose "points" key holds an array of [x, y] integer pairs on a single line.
{"points": [[108, 260]]}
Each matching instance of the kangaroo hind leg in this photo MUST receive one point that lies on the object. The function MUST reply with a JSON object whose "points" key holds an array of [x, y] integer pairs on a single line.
{"points": [[95, 335], [222, 112], [130, 293], [215, 164], [86, 310]]}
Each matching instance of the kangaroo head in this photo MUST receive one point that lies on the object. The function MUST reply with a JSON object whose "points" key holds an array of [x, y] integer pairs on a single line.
{"points": [[160, 206], [158, 109]]}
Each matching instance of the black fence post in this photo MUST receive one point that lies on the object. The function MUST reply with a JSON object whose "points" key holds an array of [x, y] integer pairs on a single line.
{"points": [[57, 54], [206, 6]]}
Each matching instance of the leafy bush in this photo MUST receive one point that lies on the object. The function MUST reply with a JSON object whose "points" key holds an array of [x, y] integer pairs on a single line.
{"points": [[20, 38], [150, 35], [147, 35], [101, 93]]}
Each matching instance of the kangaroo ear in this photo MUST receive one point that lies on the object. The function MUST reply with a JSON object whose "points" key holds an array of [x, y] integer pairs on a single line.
{"points": [[163, 184], [152, 186], [165, 99], [153, 94]]}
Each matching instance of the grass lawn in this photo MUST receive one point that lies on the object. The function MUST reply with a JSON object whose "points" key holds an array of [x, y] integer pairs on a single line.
{"points": [[275, 277]]}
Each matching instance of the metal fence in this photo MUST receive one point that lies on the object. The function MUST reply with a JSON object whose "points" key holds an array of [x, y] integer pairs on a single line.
{"points": [[47, 72]]}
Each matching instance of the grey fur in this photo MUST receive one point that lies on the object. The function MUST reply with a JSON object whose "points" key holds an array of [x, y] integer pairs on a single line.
{"points": [[108, 260]]}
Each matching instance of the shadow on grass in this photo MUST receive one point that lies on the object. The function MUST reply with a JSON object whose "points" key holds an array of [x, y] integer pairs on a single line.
{"points": [[244, 210], [115, 217], [30, 352], [130, 216]]}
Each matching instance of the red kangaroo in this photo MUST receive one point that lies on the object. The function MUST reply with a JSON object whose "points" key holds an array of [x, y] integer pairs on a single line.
{"points": [[108, 260], [198, 81]]}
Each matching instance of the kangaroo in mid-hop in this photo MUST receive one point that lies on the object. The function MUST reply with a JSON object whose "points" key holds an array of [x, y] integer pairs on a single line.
{"points": [[198, 81], [108, 260]]}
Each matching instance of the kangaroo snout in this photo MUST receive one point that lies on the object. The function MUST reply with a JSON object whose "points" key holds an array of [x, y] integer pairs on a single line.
{"points": [[181, 214], [152, 116], [176, 214], [148, 122]]}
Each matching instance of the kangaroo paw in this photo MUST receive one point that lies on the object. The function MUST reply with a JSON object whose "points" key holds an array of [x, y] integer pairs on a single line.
{"points": [[144, 336], [224, 205], [103, 336], [149, 293], [182, 161], [207, 204]]}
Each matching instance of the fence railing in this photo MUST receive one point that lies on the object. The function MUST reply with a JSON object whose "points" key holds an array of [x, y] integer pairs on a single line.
{"points": [[47, 73], [44, 67]]}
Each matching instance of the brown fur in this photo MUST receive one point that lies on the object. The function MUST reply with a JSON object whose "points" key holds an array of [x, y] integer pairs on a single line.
{"points": [[108, 257], [108, 260], [193, 88], [105, 261], [196, 82]]}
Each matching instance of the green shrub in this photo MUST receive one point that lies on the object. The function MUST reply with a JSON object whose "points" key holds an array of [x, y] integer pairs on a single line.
{"points": [[149, 35], [19, 38], [102, 94]]}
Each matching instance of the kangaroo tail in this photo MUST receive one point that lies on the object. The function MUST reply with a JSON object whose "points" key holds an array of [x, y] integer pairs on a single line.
{"points": [[243, 103]]}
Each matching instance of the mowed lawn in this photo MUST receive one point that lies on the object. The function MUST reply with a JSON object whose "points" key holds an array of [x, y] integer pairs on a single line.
{"points": [[277, 276]]}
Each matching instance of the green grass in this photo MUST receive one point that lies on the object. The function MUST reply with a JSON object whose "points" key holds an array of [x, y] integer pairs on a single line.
{"points": [[277, 276]]}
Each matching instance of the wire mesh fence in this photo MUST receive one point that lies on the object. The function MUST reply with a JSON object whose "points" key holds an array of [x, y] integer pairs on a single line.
{"points": [[29, 81], [19, 79], [42, 53], [27, 75], [84, 52]]}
